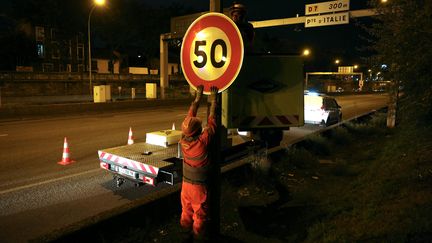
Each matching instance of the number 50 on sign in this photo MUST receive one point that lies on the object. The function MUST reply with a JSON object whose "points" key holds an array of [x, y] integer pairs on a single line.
{"points": [[212, 52]]}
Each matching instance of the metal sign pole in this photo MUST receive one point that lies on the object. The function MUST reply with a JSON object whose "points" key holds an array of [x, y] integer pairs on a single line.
{"points": [[215, 156]]}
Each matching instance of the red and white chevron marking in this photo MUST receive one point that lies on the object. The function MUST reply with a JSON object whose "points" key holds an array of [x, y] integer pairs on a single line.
{"points": [[264, 121], [129, 163]]}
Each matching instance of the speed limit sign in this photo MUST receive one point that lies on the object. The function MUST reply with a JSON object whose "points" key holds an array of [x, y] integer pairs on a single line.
{"points": [[212, 52]]}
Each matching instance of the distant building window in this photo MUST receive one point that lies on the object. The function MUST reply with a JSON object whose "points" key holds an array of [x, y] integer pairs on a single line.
{"points": [[53, 34], [70, 50], [40, 50], [80, 38], [47, 67], [40, 33], [80, 68], [95, 68], [80, 52], [55, 50]]}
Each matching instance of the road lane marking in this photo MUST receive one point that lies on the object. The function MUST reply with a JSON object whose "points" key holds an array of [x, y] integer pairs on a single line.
{"points": [[47, 181]]}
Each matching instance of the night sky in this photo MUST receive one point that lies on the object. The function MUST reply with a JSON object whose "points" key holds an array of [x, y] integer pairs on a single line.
{"points": [[258, 9], [327, 43]]}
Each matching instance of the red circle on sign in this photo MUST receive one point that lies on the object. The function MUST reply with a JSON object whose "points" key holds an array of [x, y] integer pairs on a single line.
{"points": [[227, 26]]}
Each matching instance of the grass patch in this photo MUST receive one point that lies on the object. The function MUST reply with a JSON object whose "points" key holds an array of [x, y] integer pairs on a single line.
{"points": [[340, 136], [387, 195], [315, 144], [301, 158]]}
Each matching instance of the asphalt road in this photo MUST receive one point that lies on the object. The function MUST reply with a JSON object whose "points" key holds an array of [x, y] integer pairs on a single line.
{"points": [[39, 196]]}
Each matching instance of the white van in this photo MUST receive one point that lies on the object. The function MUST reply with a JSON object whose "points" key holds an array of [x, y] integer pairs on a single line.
{"points": [[321, 109]]}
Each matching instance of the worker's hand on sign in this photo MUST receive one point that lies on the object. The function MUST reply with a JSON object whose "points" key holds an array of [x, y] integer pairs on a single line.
{"points": [[198, 93], [213, 93]]}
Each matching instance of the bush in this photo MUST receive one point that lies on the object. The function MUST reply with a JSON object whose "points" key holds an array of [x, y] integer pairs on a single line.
{"points": [[376, 125]]}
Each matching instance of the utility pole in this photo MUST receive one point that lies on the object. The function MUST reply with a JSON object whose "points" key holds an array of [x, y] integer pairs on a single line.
{"points": [[216, 6]]}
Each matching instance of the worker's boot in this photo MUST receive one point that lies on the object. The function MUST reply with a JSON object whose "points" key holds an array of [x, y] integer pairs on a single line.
{"points": [[186, 235], [203, 237]]}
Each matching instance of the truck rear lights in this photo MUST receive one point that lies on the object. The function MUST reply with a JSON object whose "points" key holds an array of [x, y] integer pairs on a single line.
{"points": [[104, 165], [148, 180]]}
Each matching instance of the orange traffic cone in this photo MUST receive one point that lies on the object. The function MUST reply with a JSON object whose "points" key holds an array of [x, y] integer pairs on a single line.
{"points": [[130, 138], [173, 126], [65, 158]]}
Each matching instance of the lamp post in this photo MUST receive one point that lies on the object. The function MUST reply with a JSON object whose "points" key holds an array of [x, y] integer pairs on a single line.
{"points": [[96, 3], [337, 62], [306, 52]]}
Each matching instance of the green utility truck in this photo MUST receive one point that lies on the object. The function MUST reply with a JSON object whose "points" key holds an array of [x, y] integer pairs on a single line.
{"points": [[266, 98]]}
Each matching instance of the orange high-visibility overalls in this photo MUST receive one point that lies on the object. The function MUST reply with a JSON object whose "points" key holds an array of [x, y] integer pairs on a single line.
{"points": [[194, 193]]}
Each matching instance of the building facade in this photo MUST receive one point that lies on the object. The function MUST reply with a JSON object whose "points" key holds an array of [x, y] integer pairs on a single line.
{"points": [[59, 52]]}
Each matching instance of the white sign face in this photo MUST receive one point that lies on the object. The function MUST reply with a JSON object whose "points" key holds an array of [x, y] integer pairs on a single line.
{"points": [[327, 19], [327, 7]]}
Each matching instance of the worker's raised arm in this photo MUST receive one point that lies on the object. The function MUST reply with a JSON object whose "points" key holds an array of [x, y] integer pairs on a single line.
{"points": [[195, 104], [210, 129], [213, 97]]}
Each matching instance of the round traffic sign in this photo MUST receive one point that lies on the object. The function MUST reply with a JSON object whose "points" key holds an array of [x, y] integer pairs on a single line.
{"points": [[212, 52]]}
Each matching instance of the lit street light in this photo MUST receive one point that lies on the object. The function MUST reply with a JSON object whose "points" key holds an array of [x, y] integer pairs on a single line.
{"points": [[306, 52], [337, 61], [96, 3]]}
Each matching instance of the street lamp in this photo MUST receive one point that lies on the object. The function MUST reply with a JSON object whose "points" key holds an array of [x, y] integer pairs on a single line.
{"points": [[337, 61], [306, 52], [96, 3]]}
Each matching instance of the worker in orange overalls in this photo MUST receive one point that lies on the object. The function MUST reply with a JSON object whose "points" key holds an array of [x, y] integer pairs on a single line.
{"points": [[194, 145]]}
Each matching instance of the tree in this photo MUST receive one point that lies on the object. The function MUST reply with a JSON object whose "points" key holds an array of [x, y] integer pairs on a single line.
{"points": [[403, 35]]}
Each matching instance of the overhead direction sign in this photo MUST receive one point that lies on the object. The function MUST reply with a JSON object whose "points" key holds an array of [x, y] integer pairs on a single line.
{"points": [[327, 7], [212, 52], [327, 19]]}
